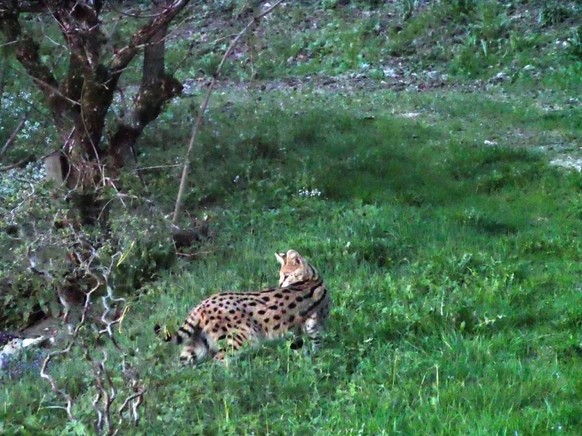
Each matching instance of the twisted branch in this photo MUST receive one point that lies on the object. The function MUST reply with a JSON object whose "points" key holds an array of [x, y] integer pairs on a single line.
{"points": [[53, 383], [107, 391]]}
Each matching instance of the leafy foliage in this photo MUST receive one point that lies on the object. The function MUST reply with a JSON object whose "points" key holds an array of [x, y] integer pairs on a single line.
{"points": [[553, 12], [29, 211], [44, 245]]}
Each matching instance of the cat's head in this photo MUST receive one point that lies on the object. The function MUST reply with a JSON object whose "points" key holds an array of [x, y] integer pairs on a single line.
{"points": [[294, 268]]}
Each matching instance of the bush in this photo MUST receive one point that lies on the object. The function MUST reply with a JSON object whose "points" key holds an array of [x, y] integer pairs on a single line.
{"points": [[553, 13], [27, 206], [49, 256]]}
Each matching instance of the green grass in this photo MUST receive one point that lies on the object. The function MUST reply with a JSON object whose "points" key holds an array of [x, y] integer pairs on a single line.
{"points": [[454, 268], [526, 41], [451, 248]]}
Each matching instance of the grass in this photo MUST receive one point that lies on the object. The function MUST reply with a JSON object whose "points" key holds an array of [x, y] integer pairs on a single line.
{"points": [[451, 248], [454, 267], [467, 40]]}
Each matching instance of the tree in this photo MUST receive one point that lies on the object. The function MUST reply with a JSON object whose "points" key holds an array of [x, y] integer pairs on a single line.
{"points": [[80, 99]]}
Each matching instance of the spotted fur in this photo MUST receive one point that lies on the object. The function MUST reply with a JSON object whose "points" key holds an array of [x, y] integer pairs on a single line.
{"points": [[223, 322]]}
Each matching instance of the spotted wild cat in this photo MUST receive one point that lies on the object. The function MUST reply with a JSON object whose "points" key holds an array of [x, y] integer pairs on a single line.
{"points": [[300, 304]]}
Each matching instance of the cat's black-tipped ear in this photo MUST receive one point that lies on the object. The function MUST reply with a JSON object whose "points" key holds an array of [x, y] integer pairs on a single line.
{"points": [[294, 257], [280, 258]]}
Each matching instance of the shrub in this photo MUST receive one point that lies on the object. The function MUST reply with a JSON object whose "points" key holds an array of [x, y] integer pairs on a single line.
{"points": [[553, 13], [47, 254]]}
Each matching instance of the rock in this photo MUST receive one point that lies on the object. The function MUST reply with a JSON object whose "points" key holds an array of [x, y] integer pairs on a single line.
{"points": [[568, 162], [499, 78], [12, 364], [16, 345], [6, 337]]}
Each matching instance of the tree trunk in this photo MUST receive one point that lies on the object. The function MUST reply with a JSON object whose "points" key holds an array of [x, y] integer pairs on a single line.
{"points": [[80, 103], [155, 90]]}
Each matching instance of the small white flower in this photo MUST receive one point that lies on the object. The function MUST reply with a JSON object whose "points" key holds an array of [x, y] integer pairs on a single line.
{"points": [[306, 193]]}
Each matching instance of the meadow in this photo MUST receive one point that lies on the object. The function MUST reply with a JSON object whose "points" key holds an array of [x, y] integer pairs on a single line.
{"points": [[450, 245], [454, 267]]}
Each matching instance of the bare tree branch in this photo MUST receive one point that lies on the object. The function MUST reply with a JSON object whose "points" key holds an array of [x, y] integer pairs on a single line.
{"points": [[201, 112], [22, 6], [21, 163], [3, 70], [124, 56], [68, 399], [86, 93], [13, 135], [108, 389], [28, 54], [156, 89]]}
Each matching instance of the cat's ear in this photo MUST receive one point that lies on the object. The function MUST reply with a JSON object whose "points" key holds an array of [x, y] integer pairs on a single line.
{"points": [[294, 257], [280, 258]]}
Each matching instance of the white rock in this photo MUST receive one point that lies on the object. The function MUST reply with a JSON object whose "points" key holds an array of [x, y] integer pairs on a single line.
{"points": [[16, 345]]}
